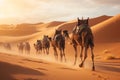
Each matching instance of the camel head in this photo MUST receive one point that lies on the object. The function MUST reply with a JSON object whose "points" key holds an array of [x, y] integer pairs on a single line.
{"points": [[85, 21], [58, 31], [45, 36], [82, 21], [65, 33], [50, 38], [79, 21]]}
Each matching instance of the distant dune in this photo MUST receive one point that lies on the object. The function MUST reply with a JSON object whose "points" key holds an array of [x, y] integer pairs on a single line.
{"points": [[6, 26], [93, 21], [18, 30], [50, 24], [108, 31], [97, 20]]}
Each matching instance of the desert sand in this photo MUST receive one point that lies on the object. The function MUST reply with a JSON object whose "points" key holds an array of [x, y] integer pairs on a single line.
{"points": [[17, 66]]}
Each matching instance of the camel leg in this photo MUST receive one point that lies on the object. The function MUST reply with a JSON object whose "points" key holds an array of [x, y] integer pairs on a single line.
{"points": [[83, 37], [61, 55], [44, 50], [39, 51], [75, 48], [55, 53], [81, 55], [85, 56], [28, 52], [64, 55], [36, 51], [22, 51], [92, 56], [47, 51]]}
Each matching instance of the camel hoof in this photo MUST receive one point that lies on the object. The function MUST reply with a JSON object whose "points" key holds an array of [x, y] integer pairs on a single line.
{"points": [[81, 65], [93, 69]]}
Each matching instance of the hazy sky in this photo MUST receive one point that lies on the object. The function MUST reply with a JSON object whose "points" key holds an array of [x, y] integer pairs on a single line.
{"points": [[20, 11]]}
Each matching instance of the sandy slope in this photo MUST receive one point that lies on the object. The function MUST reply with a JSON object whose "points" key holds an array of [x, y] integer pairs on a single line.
{"points": [[25, 29], [97, 20], [108, 31], [49, 24], [18, 30], [15, 66], [107, 38], [24, 68], [93, 21], [25, 32]]}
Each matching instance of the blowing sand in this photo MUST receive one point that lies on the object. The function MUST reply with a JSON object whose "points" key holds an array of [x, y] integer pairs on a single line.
{"points": [[17, 66]]}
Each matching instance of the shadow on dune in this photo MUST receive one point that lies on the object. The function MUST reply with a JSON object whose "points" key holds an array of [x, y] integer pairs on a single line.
{"points": [[42, 69], [110, 64], [7, 70], [108, 68], [68, 68], [31, 79], [34, 61]]}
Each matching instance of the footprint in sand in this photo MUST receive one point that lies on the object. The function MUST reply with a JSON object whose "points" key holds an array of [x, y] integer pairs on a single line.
{"points": [[100, 77]]}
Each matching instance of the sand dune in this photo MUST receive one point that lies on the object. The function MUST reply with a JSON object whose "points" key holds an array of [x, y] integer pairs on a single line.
{"points": [[107, 38], [13, 39], [18, 30], [107, 31], [5, 26], [97, 20], [40, 67], [21, 34], [26, 68], [93, 21], [50, 24]]}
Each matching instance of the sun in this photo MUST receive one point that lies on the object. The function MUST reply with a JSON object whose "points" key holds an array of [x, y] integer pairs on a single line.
{"points": [[1, 2], [1, 6]]}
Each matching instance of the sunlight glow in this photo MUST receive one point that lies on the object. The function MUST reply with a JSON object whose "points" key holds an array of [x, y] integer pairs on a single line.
{"points": [[1, 2], [20, 11]]}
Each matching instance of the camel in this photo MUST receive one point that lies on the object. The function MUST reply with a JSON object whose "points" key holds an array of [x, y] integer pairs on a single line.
{"points": [[82, 35], [46, 44], [7, 46], [27, 47], [58, 42], [38, 46], [20, 47]]}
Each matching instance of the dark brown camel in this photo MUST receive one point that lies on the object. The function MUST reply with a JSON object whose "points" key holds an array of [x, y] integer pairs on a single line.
{"points": [[20, 47], [38, 46], [27, 47], [7, 46], [82, 35], [46, 44], [58, 42]]}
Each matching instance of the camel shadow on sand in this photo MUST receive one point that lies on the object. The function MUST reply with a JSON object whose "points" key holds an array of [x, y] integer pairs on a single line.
{"points": [[34, 61], [7, 71]]}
